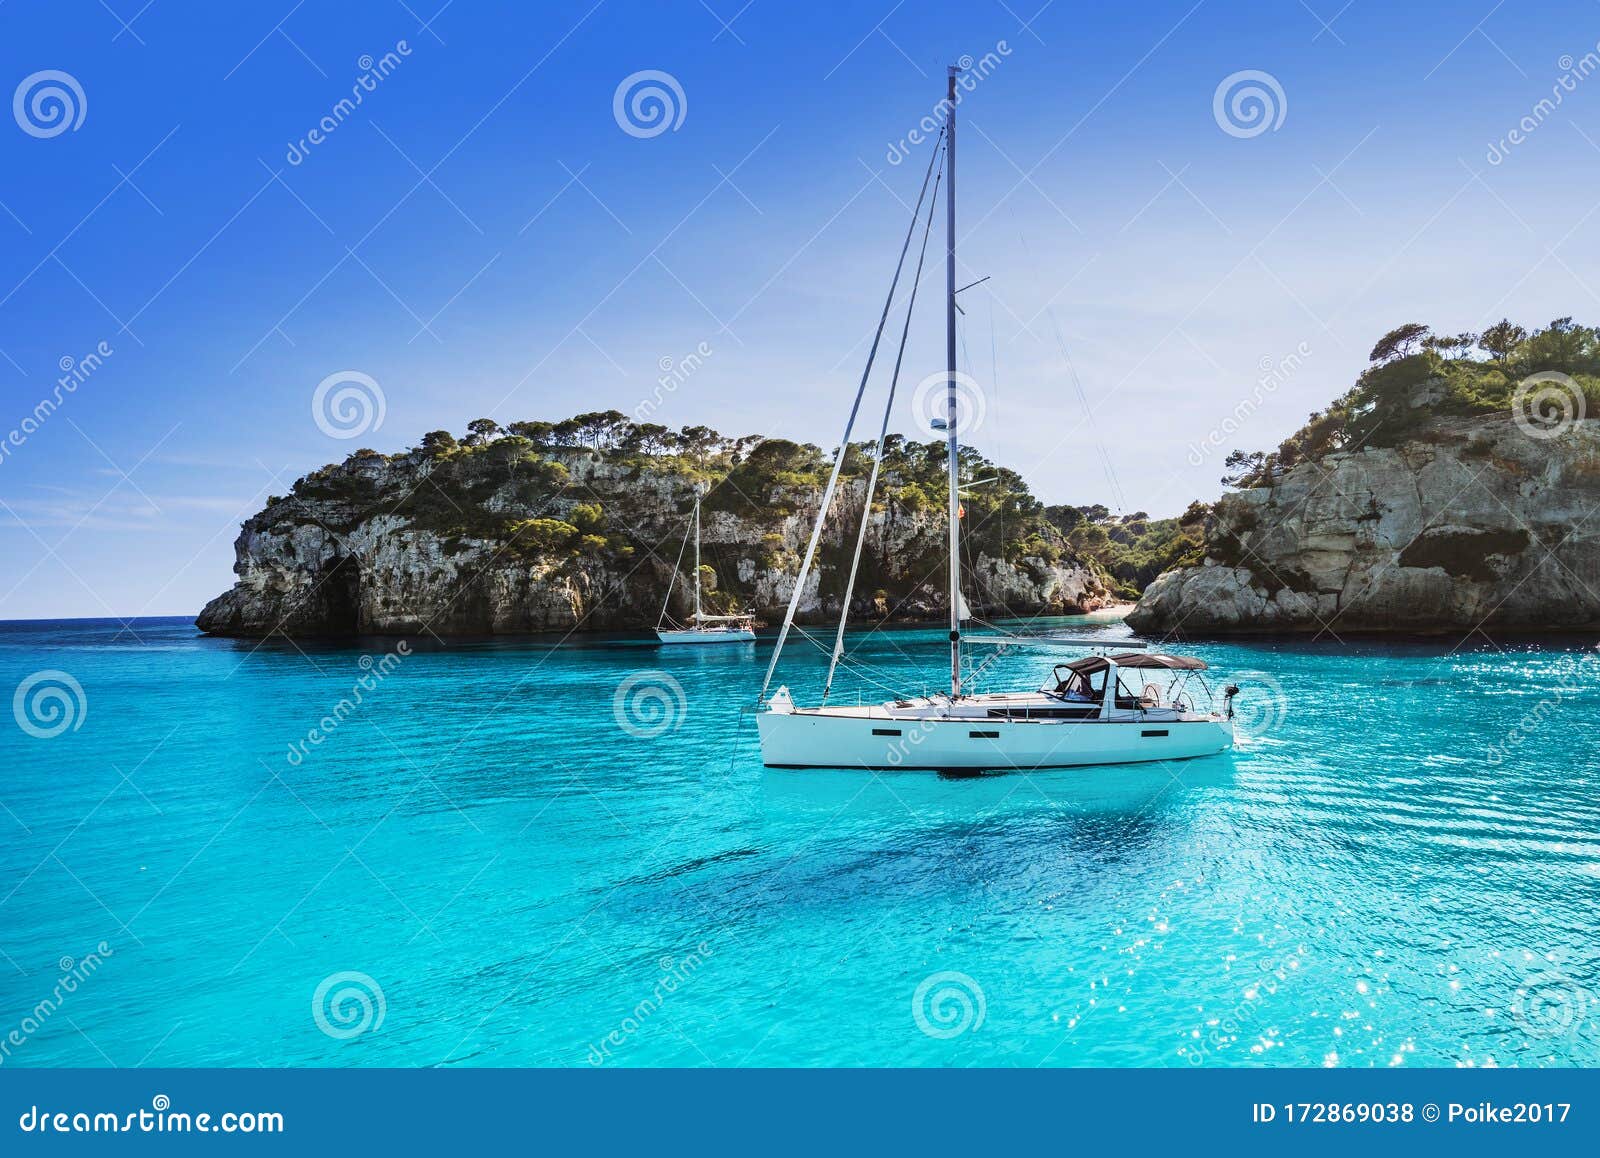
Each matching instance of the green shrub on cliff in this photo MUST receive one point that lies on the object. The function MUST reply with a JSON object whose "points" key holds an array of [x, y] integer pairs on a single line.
{"points": [[533, 538], [592, 486], [588, 517], [748, 487], [1415, 376], [1132, 549]]}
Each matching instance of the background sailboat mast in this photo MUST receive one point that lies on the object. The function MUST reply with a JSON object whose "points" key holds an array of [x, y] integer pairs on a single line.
{"points": [[950, 383], [697, 557]]}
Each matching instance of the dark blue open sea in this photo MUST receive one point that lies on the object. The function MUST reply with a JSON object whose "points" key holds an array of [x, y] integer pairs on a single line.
{"points": [[515, 853]]}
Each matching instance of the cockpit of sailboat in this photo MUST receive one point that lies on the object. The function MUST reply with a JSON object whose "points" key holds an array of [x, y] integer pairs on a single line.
{"points": [[1084, 680]]}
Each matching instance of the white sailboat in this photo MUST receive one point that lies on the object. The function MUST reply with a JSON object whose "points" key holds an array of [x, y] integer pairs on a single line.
{"points": [[1083, 713], [702, 628]]}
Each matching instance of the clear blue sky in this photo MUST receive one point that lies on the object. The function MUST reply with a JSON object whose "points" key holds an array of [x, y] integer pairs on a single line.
{"points": [[482, 238]]}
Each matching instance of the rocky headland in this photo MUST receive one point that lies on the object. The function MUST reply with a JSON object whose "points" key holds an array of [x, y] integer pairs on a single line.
{"points": [[578, 525], [1443, 493]]}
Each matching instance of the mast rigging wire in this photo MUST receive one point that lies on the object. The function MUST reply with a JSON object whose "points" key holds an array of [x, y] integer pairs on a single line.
{"points": [[877, 456], [844, 441], [676, 567], [1104, 455], [1094, 427]]}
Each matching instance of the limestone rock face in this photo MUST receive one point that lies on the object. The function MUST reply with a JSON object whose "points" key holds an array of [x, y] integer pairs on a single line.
{"points": [[381, 546], [1472, 523]]}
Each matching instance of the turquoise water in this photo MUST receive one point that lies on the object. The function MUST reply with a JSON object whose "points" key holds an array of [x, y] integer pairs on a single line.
{"points": [[1400, 864]]}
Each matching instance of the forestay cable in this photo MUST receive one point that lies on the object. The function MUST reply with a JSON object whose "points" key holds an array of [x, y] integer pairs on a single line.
{"points": [[877, 457], [844, 442], [676, 567]]}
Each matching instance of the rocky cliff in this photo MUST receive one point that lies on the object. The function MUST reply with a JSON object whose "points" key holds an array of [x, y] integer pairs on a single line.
{"points": [[511, 536], [1467, 522]]}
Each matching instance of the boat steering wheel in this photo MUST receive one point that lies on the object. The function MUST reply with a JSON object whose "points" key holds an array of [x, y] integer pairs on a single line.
{"points": [[1150, 697]]}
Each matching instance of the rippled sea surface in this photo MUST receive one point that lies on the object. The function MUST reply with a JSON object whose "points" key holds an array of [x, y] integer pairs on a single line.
{"points": [[479, 864]]}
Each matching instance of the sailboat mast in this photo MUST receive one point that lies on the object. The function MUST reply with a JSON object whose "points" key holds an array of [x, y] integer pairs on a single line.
{"points": [[951, 438], [697, 558]]}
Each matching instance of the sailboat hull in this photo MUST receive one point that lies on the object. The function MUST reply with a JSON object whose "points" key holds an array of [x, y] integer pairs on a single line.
{"points": [[813, 739], [731, 635]]}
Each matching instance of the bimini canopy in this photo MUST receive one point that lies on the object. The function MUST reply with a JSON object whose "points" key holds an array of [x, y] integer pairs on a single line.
{"points": [[1089, 665]]}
